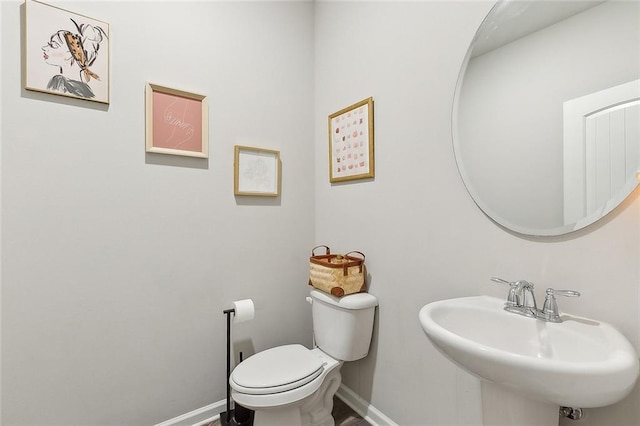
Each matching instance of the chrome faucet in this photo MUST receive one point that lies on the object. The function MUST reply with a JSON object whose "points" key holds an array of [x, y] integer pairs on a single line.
{"points": [[522, 300], [528, 305]]}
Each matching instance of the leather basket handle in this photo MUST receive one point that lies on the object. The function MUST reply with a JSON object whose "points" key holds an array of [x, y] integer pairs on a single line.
{"points": [[359, 252], [362, 263], [327, 250]]}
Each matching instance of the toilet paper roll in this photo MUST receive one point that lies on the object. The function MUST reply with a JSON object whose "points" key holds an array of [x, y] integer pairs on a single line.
{"points": [[244, 310]]}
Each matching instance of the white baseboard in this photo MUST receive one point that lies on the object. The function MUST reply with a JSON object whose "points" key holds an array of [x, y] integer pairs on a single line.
{"points": [[368, 412], [205, 415], [200, 417]]}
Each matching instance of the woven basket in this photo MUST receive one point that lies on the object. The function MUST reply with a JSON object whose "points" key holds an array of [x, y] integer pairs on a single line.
{"points": [[337, 274]]}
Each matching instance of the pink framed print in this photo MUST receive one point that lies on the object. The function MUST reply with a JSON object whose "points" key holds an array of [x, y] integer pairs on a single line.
{"points": [[176, 122], [351, 142]]}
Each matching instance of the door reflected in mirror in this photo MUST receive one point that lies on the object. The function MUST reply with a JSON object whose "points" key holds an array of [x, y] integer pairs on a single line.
{"points": [[547, 113]]}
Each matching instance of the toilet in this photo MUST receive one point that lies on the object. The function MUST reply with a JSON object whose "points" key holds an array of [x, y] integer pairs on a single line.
{"points": [[293, 385]]}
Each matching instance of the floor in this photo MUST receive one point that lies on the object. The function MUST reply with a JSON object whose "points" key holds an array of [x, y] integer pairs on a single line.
{"points": [[342, 413], [345, 416]]}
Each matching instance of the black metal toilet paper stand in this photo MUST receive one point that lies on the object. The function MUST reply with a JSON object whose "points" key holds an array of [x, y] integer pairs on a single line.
{"points": [[239, 416]]}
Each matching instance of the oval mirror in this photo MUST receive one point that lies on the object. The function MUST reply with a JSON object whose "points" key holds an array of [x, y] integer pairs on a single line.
{"points": [[546, 117]]}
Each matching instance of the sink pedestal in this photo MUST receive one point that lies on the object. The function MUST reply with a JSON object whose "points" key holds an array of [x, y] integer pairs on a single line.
{"points": [[504, 407]]}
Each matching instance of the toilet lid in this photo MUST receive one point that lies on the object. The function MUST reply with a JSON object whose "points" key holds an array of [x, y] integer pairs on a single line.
{"points": [[277, 370]]}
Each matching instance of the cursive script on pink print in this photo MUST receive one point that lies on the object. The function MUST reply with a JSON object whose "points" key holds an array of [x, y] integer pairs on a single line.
{"points": [[177, 122]]}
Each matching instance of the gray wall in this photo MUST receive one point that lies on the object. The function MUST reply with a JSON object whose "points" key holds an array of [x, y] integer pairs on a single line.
{"points": [[423, 235], [108, 318], [116, 265]]}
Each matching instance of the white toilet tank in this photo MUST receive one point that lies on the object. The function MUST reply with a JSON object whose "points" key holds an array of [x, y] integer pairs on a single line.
{"points": [[342, 326]]}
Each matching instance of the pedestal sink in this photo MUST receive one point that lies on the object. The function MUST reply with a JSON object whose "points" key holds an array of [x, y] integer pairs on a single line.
{"points": [[533, 364]]}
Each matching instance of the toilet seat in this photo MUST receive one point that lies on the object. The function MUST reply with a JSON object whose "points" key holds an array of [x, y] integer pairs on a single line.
{"points": [[247, 397], [277, 370]]}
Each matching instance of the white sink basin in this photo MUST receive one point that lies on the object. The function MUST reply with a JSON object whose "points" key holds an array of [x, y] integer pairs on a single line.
{"points": [[576, 363]]}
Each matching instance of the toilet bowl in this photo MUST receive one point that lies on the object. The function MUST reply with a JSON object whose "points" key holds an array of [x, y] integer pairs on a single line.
{"points": [[296, 384], [292, 385]]}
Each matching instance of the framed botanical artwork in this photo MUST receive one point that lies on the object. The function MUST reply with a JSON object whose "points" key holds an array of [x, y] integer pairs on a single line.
{"points": [[351, 142], [256, 171], [176, 122], [65, 53]]}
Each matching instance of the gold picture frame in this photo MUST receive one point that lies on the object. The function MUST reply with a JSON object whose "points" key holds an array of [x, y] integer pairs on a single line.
{"points": [[351, 153], [256, 172], [177, 122]]}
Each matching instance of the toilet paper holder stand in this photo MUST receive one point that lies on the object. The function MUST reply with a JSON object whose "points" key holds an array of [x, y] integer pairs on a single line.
{"points": [[242, 416]]}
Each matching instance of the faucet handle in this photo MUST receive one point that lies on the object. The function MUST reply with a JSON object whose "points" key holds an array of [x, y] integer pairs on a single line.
{"points": [[550, 308], [566, 293], [512, 298]]}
